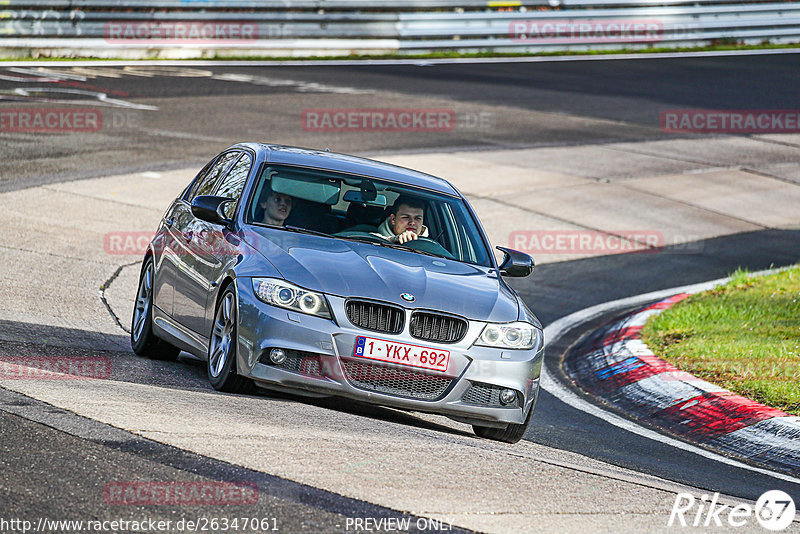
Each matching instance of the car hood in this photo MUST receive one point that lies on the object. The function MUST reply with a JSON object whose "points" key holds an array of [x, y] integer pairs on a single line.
{"points": [[352, 269]]}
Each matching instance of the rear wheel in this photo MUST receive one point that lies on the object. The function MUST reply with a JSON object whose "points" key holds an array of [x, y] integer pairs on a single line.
{"points": [[222, 349], [143, 341], [512, 432]]}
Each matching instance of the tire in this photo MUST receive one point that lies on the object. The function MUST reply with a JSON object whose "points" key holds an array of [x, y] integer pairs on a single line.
{"points": [[223, 347], [512, 433], [143, 341]]}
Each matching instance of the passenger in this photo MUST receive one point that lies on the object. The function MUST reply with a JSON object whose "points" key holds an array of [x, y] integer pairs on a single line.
{"points": [[404, 224], [277, 208]]}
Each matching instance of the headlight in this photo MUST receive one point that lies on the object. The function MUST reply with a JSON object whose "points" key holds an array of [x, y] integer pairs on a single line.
{"points": [[285, 295], [517, 335]]}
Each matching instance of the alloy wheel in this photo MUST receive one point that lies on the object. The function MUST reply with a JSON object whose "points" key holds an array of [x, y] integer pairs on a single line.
{"points": [[143, 302], [222, 336]]}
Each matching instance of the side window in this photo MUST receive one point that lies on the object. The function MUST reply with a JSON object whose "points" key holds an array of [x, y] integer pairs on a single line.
{"points": [[206, 183], [457, 234], [187, 193], [232, 185]]}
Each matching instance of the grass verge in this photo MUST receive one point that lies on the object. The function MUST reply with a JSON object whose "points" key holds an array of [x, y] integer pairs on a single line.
{"points": [[744, 336]]}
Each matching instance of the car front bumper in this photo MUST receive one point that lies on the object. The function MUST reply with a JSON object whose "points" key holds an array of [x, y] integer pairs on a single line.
{"points": [[321, 362]]}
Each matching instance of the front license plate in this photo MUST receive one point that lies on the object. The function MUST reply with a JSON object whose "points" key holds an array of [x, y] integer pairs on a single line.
{"points": [[401, 353]]}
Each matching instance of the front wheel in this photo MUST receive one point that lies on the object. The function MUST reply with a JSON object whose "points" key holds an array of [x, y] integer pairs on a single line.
{"points": [[143, 341], [222, 348], [512, 433]]}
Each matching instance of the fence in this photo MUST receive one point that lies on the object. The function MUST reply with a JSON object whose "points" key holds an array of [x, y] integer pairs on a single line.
{"points": [[205, 28]]}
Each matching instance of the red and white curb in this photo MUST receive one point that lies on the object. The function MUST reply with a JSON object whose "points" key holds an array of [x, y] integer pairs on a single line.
{"points": [[614, 364]]}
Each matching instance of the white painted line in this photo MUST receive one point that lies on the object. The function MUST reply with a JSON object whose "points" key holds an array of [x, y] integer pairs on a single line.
{"points": [[399, 61], [555, 330]]}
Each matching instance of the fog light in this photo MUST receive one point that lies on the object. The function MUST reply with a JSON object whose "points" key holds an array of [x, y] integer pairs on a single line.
{"points": [[277, 356], [508, 396]]}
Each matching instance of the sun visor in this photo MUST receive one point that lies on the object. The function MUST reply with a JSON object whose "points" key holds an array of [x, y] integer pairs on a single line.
{"points": [[306, 187]]}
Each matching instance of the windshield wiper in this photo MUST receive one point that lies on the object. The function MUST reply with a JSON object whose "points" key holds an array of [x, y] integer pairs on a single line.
{"points": [[376, 241], [405, 247], [373, 241], [296, 229], [384, 243], [304, 230]]}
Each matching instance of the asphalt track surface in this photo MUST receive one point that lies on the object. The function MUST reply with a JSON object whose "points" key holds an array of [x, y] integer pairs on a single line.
{"points": [[200, 115]]}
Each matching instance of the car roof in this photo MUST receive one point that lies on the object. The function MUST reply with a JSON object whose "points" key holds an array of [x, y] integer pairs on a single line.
{"points": [[321, 159]]}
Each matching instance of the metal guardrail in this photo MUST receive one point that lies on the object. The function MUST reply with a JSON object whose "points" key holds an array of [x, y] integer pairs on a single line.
{"points": [[342, 5], [349, 5], [97, 27]]}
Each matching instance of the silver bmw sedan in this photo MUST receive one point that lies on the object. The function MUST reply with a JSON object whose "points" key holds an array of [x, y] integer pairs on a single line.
{"points": [[325, 274]]}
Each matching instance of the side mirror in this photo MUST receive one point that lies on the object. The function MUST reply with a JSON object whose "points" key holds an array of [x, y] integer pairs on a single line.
{"points": [[209, 208], [515, 263]]}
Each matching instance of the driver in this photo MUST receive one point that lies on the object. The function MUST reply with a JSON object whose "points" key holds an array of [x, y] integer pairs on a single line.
{"points": [[277, 208], [404, 224]]}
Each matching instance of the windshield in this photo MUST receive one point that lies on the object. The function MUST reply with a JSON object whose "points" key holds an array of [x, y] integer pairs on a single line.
{"points": [[344, 206]]}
